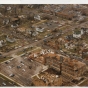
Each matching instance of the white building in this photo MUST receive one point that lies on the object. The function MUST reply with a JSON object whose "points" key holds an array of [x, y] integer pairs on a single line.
{"points": [[78, 34], [37, 17], [8, 8]]}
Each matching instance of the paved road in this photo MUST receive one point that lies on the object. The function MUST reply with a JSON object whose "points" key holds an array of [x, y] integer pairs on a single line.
{"points": [[10, 80], [33, 44], [40, 42]]}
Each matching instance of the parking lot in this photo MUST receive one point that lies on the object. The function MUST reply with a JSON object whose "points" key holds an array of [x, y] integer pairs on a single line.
{"points": [[5, 82], [20, 69]]}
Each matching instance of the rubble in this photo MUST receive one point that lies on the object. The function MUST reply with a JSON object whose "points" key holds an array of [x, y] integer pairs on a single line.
{"points": [[36, 38]]}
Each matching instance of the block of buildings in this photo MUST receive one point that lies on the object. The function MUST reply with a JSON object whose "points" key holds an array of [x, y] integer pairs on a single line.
{"points": [[71, 68], [49, 77]]}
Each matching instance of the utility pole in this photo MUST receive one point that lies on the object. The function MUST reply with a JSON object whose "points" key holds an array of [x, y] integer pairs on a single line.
{"points": [[61, 60]]}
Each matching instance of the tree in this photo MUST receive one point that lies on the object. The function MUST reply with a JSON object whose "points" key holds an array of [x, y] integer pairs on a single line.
{"points": [[47, 17], [30, 16], [32, 32], [15, 10], [21, 7], [5, 10], [38, 5]]}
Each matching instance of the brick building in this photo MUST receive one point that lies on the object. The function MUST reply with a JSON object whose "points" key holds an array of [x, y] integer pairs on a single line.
{"points": [[71, 67], [49, 77]]}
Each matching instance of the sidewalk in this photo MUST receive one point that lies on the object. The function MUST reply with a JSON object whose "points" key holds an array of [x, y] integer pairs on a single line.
{"points": [[11, 79]]}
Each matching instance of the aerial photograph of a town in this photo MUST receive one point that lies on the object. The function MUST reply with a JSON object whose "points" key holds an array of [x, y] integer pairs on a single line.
{"points": [[43, 45]]}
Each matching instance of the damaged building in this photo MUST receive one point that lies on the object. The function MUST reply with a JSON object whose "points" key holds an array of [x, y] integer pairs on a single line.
{"points": [[71, 68], [49, 77]]}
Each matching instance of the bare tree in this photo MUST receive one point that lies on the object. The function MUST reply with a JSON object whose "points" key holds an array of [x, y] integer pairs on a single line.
{"points": [[32, 32], [30, 16], [5, 10], [21, 7]]}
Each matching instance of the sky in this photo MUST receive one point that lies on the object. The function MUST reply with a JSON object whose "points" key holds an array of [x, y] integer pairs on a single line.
{"points": [[10, 2], [43, 1], [55, 1]]}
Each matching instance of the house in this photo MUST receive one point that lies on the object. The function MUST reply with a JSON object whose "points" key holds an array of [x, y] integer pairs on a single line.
{"points": [[69, 45], [72, 67], [15, 20], [35, 33], [30, 6], [69, 37], [22, 16], [27, 30], [6, 21], [2, 6], [39, 29], [78, 33], [85, 53], [37, 17], [10, 40], [22, 29], [14, 25], [1, 15], [66, 15], [8, 8], [46, 9], [84, 30], [1, 43]]}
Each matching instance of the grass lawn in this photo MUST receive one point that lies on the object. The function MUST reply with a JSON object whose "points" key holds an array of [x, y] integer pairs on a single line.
{"points": [[2, 37], [65, 27], [43, 34], [19, 53], [4, 59], [25, 50]]}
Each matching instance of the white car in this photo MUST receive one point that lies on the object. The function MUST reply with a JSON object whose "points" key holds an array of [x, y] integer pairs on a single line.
{"points": [[25, 58], [22, 63], [16, 47], [25, 47], [36, 40], [23, 69], [46, 36], [11, 75], [10, 67], [20, 46], [4, 84]]}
